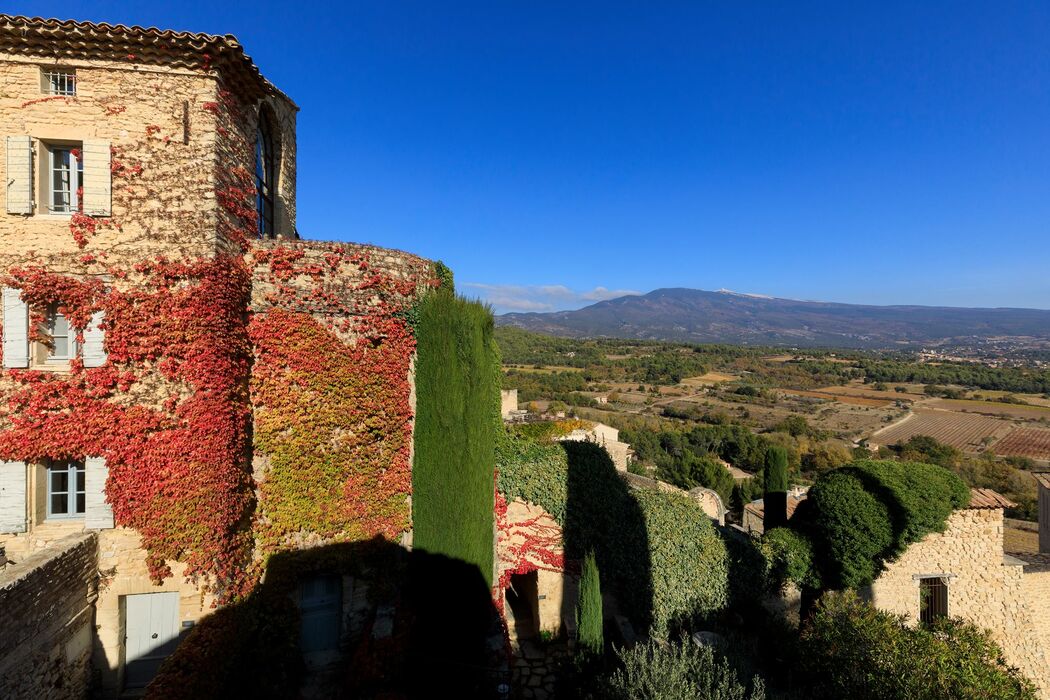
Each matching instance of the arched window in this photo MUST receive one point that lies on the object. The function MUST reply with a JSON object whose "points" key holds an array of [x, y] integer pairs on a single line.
{"points": [[265, 176]]}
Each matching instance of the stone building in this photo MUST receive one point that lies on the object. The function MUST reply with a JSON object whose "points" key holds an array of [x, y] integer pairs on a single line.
{"points": [[149, 228], [963, 572], [609, 438]]}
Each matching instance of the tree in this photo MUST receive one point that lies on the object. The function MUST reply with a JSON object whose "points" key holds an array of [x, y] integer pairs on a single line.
{"points": [[775, 496], [589, 609]]}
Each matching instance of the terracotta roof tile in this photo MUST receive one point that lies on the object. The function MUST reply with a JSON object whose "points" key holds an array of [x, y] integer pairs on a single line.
{"points": [[54, 38], [986, 499], [1043, 478]]}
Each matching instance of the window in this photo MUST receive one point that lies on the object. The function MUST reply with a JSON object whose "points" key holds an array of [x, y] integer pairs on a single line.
{"points": [[63, 345], [65, 489], [265, 177], [933, 598], [59, 81], [65, 179]]}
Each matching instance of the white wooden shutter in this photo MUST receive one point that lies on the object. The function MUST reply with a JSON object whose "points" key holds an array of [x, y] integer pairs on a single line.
{"points": [[97, 513], [19, 175], [97, 178], [94, 353], [16, 329], [12, 497]]}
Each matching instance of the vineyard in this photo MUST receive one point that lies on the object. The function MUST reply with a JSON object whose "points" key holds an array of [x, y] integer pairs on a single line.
{"points": [[969, 433], [1025, 442]]}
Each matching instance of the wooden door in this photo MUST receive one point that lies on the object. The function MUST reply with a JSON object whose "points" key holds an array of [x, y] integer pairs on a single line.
{"points": [[151, 623]]}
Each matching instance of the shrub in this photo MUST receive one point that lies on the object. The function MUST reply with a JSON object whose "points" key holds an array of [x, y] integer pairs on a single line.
{"points": [[865, 514], [678, 671], [789, 558], [852, 650], [457, 417], [589, 610]]}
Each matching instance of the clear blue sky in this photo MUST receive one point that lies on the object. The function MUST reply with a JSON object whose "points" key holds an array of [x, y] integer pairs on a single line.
{"points": [[896, 153]]}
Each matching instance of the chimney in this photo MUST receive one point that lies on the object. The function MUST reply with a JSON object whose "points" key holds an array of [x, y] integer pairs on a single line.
{"points": [[1044, 511]]}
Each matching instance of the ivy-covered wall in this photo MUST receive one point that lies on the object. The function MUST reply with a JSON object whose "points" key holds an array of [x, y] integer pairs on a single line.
{"points": [[658, 551], [457, 419]]}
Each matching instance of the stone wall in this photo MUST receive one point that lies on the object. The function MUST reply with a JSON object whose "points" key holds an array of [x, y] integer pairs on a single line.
{"points": [[168, 158], [984, 587], [529, 539], [47, 619], [327, 279]]}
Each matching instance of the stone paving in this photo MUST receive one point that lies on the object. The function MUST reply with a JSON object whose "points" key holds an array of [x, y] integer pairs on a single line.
{"points": [[535, 666]]}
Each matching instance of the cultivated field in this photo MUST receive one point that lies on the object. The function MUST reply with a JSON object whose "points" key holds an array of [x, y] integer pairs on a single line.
{"points": [[709, 378], [1025, 442], [991, 408], [963, 431]]}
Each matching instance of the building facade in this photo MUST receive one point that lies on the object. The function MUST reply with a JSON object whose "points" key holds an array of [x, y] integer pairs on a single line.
{"points": [[152, 278], [963, 572]]}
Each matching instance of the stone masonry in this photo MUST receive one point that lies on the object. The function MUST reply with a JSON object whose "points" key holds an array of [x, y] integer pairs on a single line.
{"points": [[47, 619], [985, 587]]}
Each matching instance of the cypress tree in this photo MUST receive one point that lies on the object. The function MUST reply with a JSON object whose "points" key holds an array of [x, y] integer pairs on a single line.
{"points": [[776, 483], [589, 608]]}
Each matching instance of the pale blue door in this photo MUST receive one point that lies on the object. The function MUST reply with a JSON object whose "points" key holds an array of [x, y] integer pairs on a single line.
{"points": [[321, 609], [151, 624]]}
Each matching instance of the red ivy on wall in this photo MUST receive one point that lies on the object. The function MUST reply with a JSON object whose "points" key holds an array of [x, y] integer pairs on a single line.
{"points": [[330, 392]]}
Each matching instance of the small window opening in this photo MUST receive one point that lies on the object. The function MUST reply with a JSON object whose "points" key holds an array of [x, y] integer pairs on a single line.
{"points": [[59, 81], [933, 599]]}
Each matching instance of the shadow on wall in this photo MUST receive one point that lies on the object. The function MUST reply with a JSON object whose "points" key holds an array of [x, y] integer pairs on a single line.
{"points": [[602, 515], [354, 620]]}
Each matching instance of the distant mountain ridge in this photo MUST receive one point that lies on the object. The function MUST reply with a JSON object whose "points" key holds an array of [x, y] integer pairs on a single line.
{"points": [[699, 316]]}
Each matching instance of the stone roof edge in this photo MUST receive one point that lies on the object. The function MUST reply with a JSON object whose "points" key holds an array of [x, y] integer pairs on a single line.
{"points": [[39, 36]]}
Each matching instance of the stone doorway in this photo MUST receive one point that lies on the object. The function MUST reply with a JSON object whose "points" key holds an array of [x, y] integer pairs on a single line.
{"points": [[523, 605]]}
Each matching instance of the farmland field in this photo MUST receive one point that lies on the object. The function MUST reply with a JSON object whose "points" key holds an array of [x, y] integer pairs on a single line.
{"points": [[992, 408], [1025, 442], [963, 431]]}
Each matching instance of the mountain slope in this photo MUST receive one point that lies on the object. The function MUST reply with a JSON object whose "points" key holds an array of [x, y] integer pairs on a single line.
{"points": [[726, 317]]}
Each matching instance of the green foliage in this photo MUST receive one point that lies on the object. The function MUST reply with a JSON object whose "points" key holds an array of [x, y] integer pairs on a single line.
{"points": [[776, 466], [775, 484], [657, 550], [443, 273], [687, 558], [852, 650], [923, 448], [1024, 380], [865, 514], [589, 611], [457, 419], [789, 558], [677, 671], [693, 470]]}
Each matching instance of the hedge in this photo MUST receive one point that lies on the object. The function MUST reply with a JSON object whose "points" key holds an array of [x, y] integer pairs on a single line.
{"points": [[457, 416], [658, 550], [867, 513]]}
